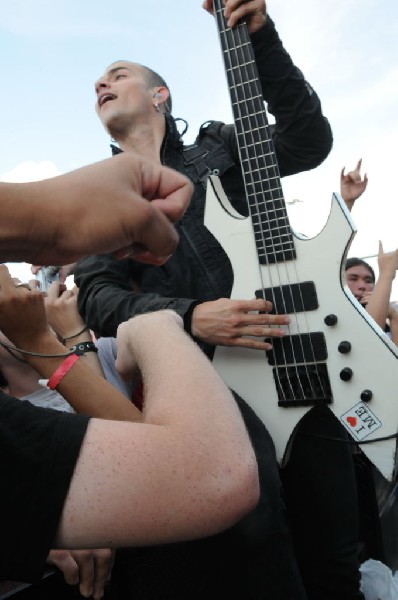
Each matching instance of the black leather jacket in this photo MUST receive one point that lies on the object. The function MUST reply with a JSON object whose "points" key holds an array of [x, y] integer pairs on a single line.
{"points": [[199, 270]]}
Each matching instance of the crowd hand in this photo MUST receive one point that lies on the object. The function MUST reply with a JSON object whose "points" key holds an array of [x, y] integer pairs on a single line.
{"points": [[352, 185], [387, 261], [227, 322], [126, 363], [64, 271], [124, 204], [61, 310], [253, 11], [90, 569], [365, 298], [22, 313]]}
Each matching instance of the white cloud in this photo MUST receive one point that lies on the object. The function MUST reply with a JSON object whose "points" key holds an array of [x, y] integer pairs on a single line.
{"points": [[30, 171]]}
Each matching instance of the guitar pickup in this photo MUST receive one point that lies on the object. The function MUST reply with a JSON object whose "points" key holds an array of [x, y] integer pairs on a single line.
{"points": [[299, 348], [293, 298]]}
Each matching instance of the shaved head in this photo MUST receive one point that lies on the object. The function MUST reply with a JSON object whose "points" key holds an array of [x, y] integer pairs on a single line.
{"points": [[152, 78]]}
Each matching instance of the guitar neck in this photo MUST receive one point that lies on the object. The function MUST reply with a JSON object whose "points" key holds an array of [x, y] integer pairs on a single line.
{"points": [[267, 208]]}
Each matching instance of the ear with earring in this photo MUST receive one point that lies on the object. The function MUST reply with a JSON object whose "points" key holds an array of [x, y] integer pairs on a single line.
{"points": [[155, 104]]}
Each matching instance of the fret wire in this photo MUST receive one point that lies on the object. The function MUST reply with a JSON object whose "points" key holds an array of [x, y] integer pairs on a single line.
{"points": [[250, 89], [284, 239], [242, 52], [281, 223], [223, 37], [222, 24], [271, 211]]}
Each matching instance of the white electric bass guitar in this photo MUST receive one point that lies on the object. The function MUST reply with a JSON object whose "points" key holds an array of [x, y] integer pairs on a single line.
{"points": [[334, 352]]}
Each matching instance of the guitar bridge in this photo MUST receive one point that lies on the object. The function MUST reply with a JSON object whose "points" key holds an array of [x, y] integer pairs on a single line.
{"points": [[302, 385]]}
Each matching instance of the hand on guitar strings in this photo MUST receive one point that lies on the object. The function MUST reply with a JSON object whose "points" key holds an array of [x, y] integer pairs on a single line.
{"points": [[252, 11], [244, 323]]}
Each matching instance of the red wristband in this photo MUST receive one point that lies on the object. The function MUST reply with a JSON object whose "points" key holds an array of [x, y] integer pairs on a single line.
{"points": [[62, 370]]}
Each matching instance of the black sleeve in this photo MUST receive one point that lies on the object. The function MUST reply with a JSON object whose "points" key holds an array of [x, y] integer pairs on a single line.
{"points": [[107, 298], [302, 135], [39, 448]]}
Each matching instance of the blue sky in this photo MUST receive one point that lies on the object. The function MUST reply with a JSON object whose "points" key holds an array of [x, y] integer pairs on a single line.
{"points": [[53, 50]]}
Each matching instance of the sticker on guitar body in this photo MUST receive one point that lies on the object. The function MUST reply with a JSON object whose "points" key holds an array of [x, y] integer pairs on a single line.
{"points": [[360, 421]]}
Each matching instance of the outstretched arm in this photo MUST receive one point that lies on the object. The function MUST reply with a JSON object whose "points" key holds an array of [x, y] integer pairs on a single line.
{"points": [[123, 205]]}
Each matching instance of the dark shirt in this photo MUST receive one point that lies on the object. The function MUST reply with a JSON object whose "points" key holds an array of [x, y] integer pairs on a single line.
{"points": [[39, 448]]}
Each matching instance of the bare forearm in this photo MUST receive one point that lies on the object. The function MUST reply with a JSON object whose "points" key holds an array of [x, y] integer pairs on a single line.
{"points": [[86, 391], [394, 327], [194, 471], [378, 305], [181, 386], [20, 228]]}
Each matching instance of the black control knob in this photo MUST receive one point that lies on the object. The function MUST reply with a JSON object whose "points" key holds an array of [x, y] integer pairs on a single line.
{"points": [[330, 320], [344, 347], [346, 374], [366, 395]]}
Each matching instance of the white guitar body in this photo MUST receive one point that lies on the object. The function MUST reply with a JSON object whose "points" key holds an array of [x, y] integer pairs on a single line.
{"points": [[372, 359]]}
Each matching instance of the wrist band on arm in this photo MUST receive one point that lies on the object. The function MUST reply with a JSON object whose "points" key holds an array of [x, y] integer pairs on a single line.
{"points": [[62, 370], [187, 317], [83, 347]]}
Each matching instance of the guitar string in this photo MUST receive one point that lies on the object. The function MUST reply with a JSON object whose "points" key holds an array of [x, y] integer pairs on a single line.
{"points": [[224, 31], [261, 112], [249, 137], [245, 44], [277, 371]]}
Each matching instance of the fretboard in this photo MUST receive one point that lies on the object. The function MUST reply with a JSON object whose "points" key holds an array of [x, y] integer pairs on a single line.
{"points": [[267, 208]]}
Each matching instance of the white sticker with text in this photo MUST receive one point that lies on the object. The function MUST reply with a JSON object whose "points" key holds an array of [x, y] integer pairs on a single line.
{"points": [[360, 421]]}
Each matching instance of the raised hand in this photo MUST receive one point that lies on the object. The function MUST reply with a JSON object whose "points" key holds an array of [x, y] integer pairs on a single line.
{"points": [[22, 313], [388, 262], [253, 11], [62, 313], [352, 185]]}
